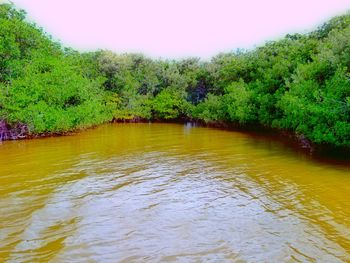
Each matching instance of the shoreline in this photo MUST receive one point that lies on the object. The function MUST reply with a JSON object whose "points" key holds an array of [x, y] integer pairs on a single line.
{"points": [[298, 142]]}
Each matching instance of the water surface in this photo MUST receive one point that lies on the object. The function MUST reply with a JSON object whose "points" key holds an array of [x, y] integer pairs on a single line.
{"points": [[169, 193]]}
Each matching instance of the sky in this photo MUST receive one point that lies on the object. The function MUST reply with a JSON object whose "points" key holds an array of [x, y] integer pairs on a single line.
{"points": [[176, 28]]}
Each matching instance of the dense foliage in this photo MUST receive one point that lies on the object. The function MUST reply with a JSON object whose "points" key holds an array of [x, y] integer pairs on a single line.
{"points": [[300, 83], [42, 85]]}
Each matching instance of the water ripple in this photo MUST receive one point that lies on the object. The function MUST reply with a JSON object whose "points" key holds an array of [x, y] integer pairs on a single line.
{"points": [[176, 198]]}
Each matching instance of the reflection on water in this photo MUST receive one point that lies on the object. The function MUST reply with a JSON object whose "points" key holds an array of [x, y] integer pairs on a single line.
{"points": [[166, 192]]}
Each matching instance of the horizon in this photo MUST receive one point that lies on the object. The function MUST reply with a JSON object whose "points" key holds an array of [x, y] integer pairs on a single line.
{"points": [[189, 36]]}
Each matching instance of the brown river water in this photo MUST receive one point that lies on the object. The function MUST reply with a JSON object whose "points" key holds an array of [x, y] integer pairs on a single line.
{"points": [[170, 193]]}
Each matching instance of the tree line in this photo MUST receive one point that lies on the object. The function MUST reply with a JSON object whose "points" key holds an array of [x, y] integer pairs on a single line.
{"points": [[300, 83]]}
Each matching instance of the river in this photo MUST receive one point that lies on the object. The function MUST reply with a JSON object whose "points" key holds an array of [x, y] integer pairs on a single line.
{"points": [[170, 193]]}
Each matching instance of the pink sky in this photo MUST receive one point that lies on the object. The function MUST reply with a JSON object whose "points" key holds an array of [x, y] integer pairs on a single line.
{"points": [[176, 28]]}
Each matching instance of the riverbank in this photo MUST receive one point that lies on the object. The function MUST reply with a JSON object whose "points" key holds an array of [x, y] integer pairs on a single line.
{"points": [[298, 142], [292, 140]]}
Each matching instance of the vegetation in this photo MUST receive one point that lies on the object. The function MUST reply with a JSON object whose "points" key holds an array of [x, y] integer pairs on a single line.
{"points": [[300, 83]]}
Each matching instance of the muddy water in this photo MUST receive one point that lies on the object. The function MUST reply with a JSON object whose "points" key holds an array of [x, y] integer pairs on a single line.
{"points": [[169, 193]]}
